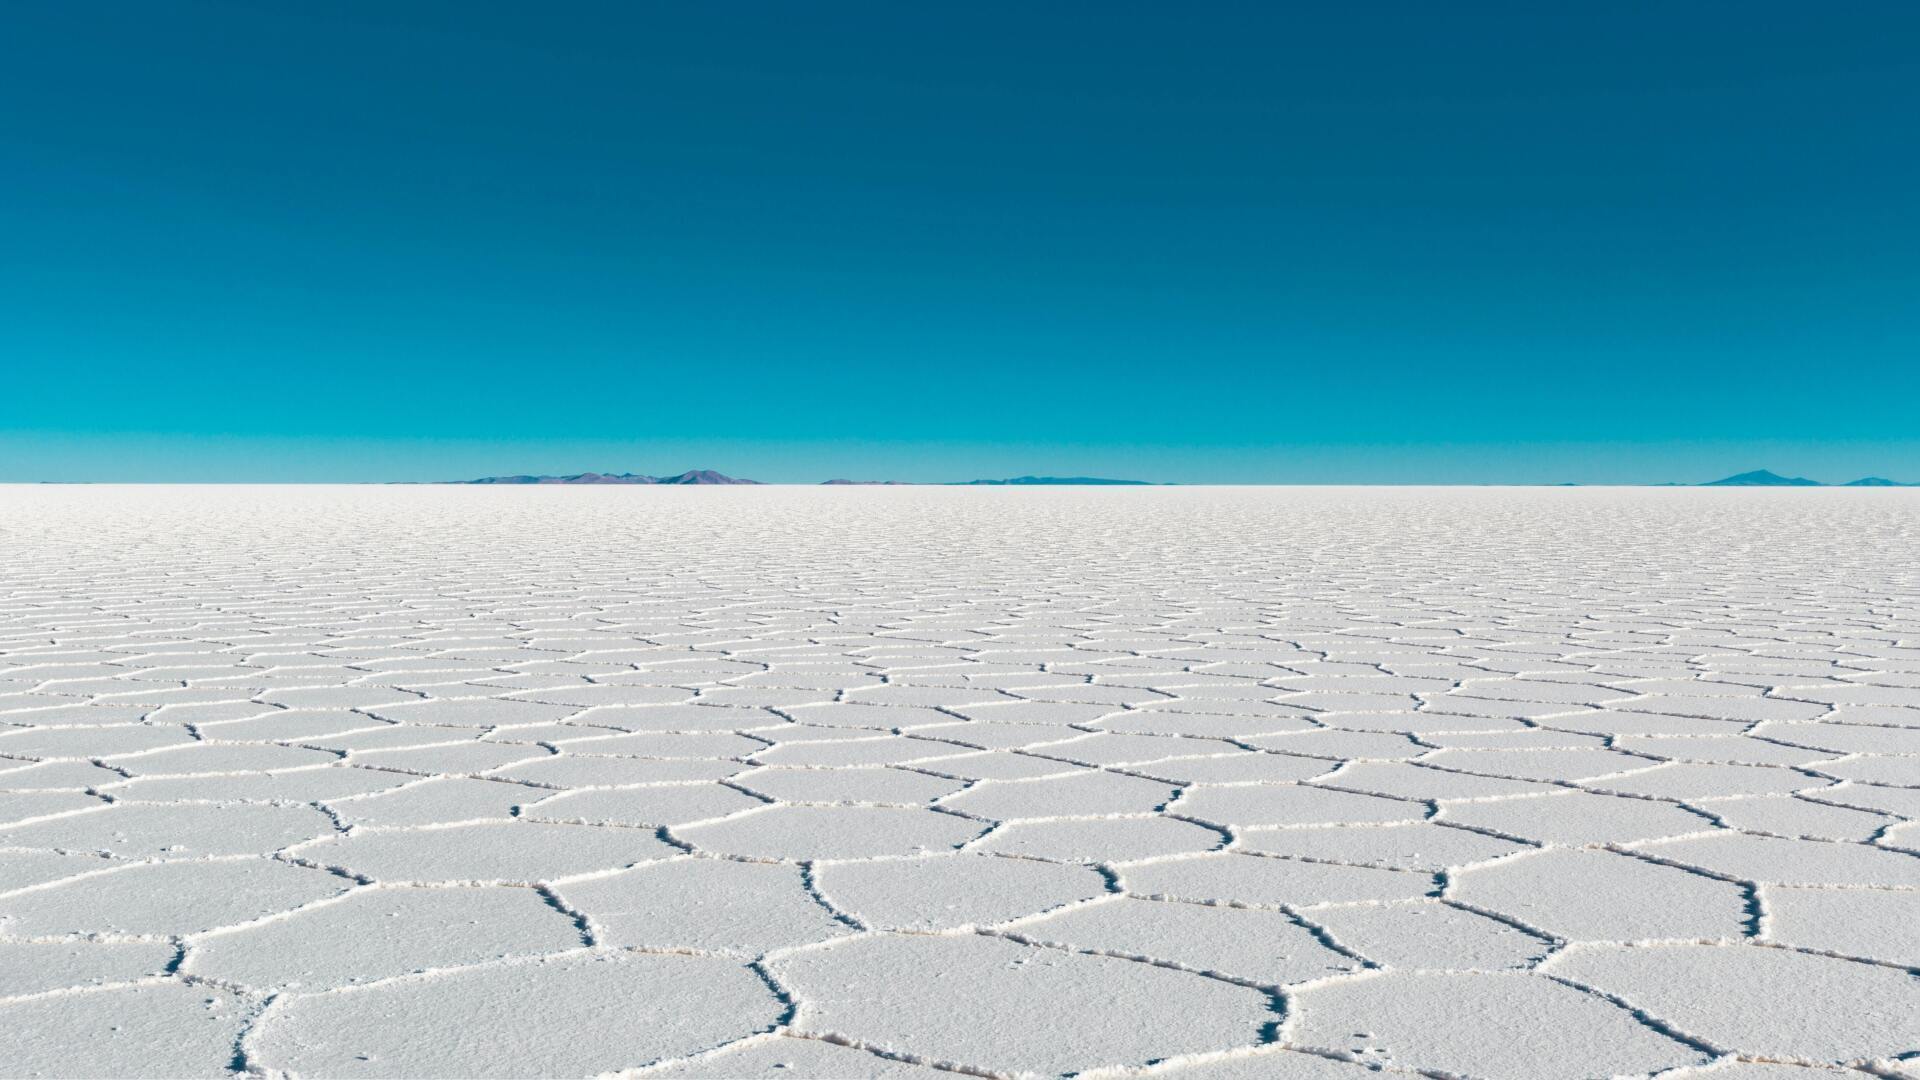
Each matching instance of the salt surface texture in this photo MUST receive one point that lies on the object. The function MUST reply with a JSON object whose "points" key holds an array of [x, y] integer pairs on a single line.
{"points": [[1198, 783]]}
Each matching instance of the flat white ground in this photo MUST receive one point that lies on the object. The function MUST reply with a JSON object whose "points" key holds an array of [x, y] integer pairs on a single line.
{"points": [[1206, 783]]}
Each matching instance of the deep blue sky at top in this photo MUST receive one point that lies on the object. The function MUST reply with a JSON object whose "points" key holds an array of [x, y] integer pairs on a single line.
{"points": [[1259, 242]]}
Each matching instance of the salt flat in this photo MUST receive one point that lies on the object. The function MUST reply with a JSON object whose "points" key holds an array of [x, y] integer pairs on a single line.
{"points": [[1200, 783]]}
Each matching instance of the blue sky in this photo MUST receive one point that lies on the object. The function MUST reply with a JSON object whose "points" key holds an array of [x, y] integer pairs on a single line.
{"points": [[1238, 243]]}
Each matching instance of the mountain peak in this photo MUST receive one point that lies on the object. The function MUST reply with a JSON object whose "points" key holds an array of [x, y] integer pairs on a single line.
{"points": [[691, 476], [1023, 481], [1762, 478], [702, 476]]}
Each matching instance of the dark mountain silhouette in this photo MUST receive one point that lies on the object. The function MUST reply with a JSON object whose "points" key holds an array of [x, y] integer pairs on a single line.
{"points": [[703, 476], [1023, 481], [1756, 478], [576, 478], [691, 476], [1762, 478]]}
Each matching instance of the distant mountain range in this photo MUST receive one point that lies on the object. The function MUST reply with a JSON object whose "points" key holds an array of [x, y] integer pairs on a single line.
{"points": [[708, 476], [1762, 478], [1756, 478], [691, 476], [1028, 481], [1766, 478]]}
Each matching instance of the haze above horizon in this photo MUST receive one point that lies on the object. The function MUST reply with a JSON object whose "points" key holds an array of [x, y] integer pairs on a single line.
{"points": [[1472, 243]]}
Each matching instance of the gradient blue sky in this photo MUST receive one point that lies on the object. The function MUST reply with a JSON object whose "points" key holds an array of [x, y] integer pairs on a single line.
{"points": [[1236, 243]]}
